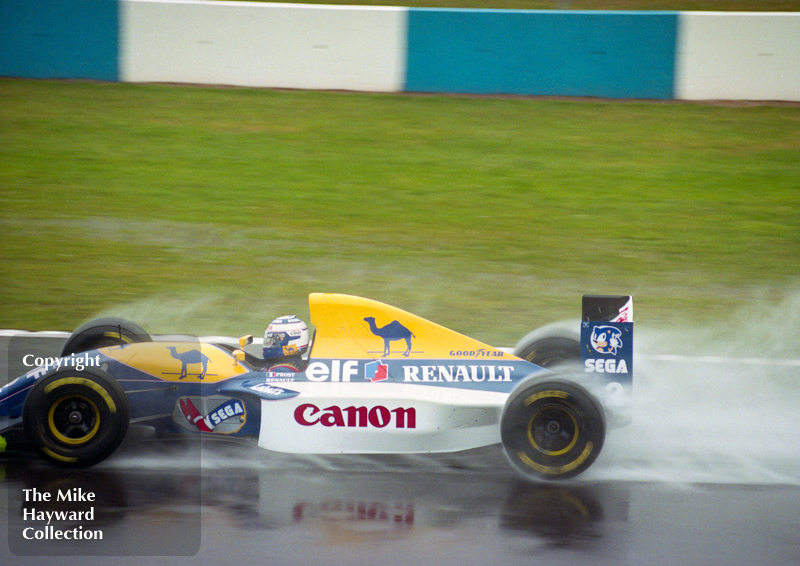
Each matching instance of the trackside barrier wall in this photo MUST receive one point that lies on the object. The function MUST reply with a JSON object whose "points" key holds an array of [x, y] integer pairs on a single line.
{"points": [[659, 55], [603, 54], [738, 56], [59, 39], [263, 45]]}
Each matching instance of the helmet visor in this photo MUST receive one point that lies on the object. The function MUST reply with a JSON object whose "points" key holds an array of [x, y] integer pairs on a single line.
{"points": [[274, 339]]}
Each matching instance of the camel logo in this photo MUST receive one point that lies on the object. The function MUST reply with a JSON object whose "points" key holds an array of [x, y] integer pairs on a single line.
{"points": [[190, 357], [390, 333]]}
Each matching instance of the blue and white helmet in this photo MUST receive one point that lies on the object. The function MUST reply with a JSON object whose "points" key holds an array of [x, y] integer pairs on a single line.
{"points": [[285, 336]]}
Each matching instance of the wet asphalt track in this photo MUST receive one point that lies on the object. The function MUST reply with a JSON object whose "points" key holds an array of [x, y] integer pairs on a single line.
{"points": [[648, 500]]}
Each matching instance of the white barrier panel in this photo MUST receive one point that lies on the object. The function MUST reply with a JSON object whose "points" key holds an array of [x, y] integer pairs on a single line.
{"points": [[738, 56], [263, 45]]}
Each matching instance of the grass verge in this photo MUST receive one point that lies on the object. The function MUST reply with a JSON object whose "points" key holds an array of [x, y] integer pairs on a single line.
{"points": [[212, 210]]}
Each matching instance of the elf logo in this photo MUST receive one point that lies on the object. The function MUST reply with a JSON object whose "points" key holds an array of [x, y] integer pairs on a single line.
{"points": [[376, 371], [333, 370]]}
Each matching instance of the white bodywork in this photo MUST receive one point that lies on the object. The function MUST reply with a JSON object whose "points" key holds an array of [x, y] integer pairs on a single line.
{"points": [[331, 418]]}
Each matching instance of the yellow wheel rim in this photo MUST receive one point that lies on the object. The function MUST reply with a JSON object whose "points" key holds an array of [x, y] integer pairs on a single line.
{"points": [[543, 450], [73, 419]]}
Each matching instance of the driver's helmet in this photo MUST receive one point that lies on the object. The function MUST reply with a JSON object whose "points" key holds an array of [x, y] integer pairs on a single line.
{"points": [[285, 336]]}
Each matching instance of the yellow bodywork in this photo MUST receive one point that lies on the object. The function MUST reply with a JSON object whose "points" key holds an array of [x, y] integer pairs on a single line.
{"points": [[174, 361], [343, 332]]}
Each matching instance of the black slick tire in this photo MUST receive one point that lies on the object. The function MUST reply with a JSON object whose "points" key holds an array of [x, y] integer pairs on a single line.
{"points": [[76, 418], [552, 352], [552, 429], [104, 332]]}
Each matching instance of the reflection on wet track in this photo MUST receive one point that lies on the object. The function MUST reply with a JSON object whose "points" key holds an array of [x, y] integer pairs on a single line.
{"points": [[439, 510]]}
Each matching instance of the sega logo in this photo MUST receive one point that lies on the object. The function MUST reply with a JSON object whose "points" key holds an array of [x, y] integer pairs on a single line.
{"points": [[225, 412], [606, 339], [606, 366], [379, 416]]}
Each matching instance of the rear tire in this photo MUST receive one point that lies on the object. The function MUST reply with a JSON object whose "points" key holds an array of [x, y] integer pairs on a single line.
{"points": [[552, 429], [553, 350], [104, 332], [76, 418]]}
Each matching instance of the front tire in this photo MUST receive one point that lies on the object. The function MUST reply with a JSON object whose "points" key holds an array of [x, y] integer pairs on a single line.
{"points": [[552, 429], [104, 332], [76, 418]]}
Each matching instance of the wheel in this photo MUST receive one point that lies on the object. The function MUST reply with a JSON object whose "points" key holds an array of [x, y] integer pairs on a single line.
{"points": [[104, 332], [76, 418], [552, 429], [549, 349]]}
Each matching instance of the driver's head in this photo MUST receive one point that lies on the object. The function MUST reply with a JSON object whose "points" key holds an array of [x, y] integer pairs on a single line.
{"points": [[285, 336]]}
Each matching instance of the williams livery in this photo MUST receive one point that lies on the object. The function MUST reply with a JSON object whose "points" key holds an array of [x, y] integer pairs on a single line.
{"points": [[375, 379]]}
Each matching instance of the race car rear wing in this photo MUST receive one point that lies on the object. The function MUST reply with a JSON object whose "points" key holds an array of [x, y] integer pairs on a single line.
{"points": [[607, 349]]}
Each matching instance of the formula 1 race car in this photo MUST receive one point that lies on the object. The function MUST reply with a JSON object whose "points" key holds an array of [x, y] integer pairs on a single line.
{"points": [[375, 380]]}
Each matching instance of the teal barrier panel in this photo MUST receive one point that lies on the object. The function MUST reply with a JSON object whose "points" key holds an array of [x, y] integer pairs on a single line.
{"points": [[60, 39], [547, 53]]}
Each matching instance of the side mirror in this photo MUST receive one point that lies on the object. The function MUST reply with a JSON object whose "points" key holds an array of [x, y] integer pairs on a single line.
{"points": [[245, 341], [238, 356]]}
